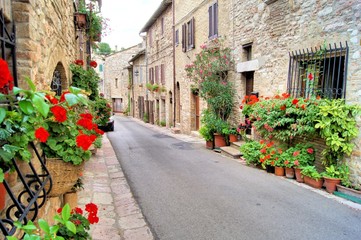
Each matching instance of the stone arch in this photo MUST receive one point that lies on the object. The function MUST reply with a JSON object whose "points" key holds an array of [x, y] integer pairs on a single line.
{"points": [[59, 81]]}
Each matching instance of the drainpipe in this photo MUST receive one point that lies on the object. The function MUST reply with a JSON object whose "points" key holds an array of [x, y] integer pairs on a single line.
{"points": [[174, 72]]}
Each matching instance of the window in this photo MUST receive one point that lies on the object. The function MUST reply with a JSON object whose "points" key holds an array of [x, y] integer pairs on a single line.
{"points": [[101, 68], [213, 20], [157, 74], [247, 50], [177, 37], [151, 75], [162, 77], [319, 72], [188, 30]]}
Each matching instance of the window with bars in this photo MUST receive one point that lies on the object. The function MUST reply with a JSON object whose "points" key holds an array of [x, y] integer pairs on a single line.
{"points": [[318, 72], [213, 20]]}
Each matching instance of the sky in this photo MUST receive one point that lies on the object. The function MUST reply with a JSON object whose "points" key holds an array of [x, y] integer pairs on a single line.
{"points": [[126, 19]]}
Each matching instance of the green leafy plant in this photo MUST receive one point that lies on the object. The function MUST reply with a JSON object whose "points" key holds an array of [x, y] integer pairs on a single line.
{"points": [[311, 172], [336, 121], [145, 117], [206, 133], [162, 123], [102, 109], [86, 79], [251, 152], [70, 224]]}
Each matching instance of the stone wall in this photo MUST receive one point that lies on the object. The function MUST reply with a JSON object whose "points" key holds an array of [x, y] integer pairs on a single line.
{"points": [[116, 76], [283, 26], [184, 12], [139, 90], [160, 52], [46, 40]]}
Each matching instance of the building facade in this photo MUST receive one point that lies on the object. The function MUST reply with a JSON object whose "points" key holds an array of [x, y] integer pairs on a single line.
{"points": [[195, 23], [159, 62], [117, 77]]}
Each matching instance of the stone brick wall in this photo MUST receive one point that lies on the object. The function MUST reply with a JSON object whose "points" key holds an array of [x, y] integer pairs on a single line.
{"points": [[284, 26], [139, 90], [184, 12], [46, 40], [160, 52], [116, 75]]}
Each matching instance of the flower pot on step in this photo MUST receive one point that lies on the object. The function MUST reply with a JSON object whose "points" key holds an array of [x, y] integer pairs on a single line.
{"points": [[290, 173], [233, 138], [298, 175], [219, 140], [313, 182], [330, 184], [279, 171]]}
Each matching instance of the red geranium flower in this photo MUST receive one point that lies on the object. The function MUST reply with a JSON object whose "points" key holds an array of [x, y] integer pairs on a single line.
{"points": [[310, 76], [91, 208], [41, 134], [87, 116], [296, 153], [84, 141], [296, 163], [5, 75], [92, 218], [78, 210], [85, 123], [310, 150], [295, 101], [93, 64], [62, 97], [59, 113], [79, 62], [59, 210], [283, 107], [52, 99]]}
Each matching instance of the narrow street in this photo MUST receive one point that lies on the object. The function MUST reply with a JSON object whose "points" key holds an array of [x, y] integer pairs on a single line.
{"points": [[187, 192]]}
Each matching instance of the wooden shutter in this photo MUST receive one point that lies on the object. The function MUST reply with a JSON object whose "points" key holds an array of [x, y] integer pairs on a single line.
{"points": [[215, 20], [192, 45], [210, 14], [184, 37], [162, 77], [156, 74]]}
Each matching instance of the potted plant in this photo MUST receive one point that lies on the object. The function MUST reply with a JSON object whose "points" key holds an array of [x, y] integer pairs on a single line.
{"points": [[207, 133], [251, 152], [312, 177], [302, 155], [155, 87], [333, 175]]}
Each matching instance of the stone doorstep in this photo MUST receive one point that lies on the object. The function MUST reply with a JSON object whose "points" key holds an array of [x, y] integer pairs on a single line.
{"points": [[196, 134], [231, 152], [175, 130], [238, 144]]}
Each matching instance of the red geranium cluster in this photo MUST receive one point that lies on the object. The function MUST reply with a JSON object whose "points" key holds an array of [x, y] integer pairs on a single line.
{"points": [[79, 62], [93, 64], [6, 80], [250, 100]]}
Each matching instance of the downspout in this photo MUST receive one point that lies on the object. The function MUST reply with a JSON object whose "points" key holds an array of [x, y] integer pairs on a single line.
{"points": [[174, 71]]}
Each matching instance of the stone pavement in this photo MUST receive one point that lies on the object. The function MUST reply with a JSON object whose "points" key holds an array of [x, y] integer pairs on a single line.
{"points": [[105, 185]]}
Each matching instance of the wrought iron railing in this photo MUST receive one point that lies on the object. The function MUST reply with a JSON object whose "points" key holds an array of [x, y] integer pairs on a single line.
{"points": [[24, 205], [328, 68]]}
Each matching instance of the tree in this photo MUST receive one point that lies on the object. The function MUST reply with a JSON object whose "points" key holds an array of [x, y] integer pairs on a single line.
{"points": [[103, 49]]}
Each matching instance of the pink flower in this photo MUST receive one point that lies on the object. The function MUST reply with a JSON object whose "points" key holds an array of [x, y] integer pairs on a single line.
{"points": [[310, 150], [296, 163], [287, 162], [296, 153]]}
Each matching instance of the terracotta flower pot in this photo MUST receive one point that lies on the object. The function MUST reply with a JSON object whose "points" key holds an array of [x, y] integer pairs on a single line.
{"points": [[298, 174], [313, 182], [219, 141], [279, 171], [290, 173], [330, 184], [233, 138], [209, 145]]}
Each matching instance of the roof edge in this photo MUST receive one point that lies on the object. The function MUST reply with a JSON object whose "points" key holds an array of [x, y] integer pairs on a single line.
{"points": [[162, 7]]}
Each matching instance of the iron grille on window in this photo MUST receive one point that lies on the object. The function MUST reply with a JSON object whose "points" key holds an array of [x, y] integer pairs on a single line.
{"points": [[318, 72]]}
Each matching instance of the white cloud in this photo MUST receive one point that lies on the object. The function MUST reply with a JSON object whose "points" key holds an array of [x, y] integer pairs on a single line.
{"points": [[126, 19]]}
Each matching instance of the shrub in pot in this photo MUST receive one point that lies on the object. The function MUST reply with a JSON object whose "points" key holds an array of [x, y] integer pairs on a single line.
{"points": [[312, 177]]}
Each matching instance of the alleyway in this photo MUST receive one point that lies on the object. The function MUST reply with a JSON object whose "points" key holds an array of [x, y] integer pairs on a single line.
{"points": [[187, 192]]}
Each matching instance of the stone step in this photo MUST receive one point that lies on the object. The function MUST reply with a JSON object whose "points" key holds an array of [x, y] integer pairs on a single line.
{"points": [[175, 130], [231, 152], [196, 134], [237, 145]]}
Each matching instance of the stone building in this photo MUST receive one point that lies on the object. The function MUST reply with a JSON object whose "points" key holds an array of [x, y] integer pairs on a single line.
{"points": [[159, 61], [47, 40], [273, 39], [195, 22], [138, 90], [117, 78]]}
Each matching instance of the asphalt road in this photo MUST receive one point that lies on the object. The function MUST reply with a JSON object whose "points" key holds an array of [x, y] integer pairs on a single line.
{"points": [[187, 192]]}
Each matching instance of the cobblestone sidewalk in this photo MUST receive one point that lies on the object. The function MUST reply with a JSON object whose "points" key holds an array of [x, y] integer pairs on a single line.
{"points": [[105, 185]]}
